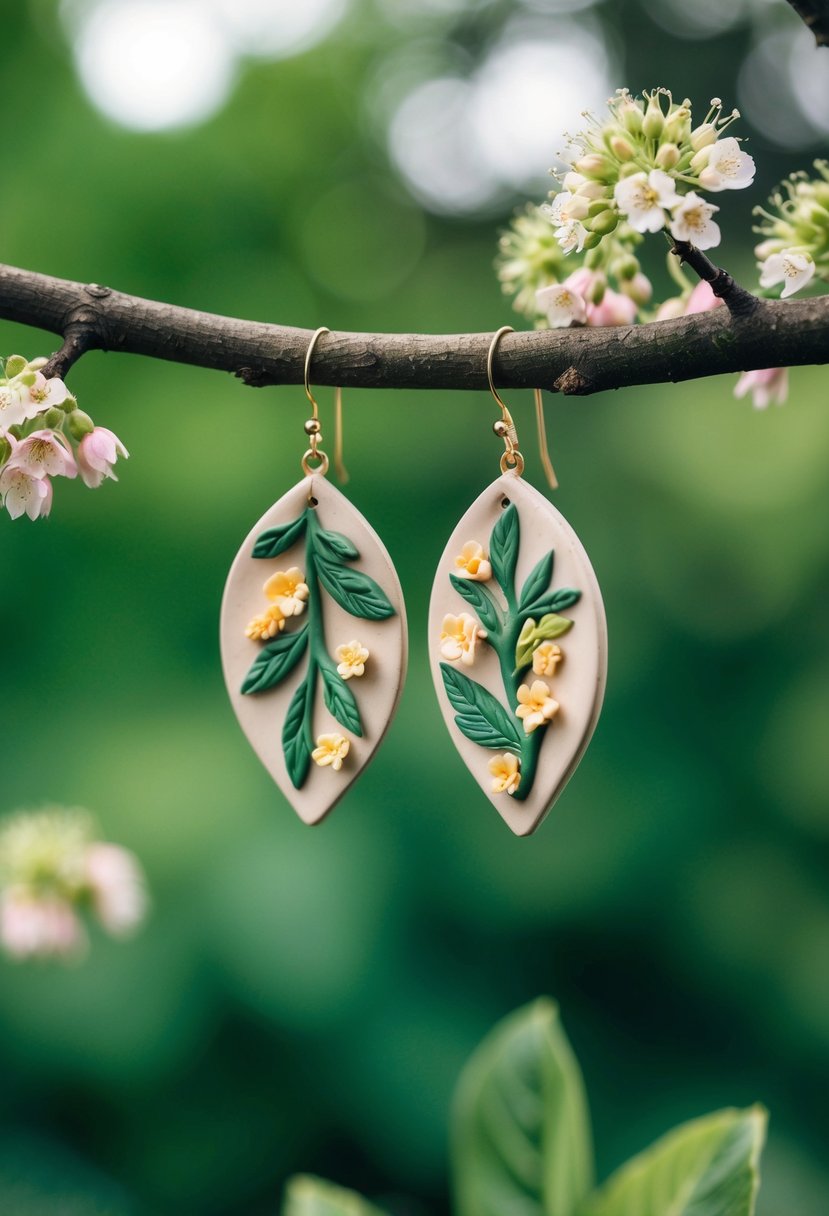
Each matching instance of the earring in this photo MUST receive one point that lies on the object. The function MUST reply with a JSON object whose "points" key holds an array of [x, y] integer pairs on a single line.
{"points": [[512, 569], [313, 590]]}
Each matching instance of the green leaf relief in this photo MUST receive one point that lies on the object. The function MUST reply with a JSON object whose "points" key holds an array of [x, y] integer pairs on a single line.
{"points": [[566, 597], [297, 741], [521, 1141], [275, 661], [480, 599], [353, 590], [503, 551], [340, 701], [277, 540], [532, 635], [537, 583], [336, 545], [478, 714], [708, 1167], [309, 1196]]}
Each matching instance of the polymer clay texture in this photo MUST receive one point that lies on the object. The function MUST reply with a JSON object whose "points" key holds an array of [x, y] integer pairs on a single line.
{"points": [[518, 648]]}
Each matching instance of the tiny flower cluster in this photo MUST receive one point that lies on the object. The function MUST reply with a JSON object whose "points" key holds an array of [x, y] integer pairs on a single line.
{"points": [[44, 435], [52, 870], [288, 593], [795, 228]]}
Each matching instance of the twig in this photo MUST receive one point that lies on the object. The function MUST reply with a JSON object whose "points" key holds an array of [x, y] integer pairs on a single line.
{"points": [[815, 13], [738, 301], [571, 361]]}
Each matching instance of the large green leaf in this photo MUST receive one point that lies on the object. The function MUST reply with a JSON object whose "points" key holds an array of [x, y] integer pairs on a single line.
{"points": [[556, 601], [309, 1196], [277, 540], [503, 549], [340, 700], [478, 714], [275, 661], [354, 591], [481, 601], [708, 1167], [336, 544], [537, 583], [295, 742], [521, 1143]]}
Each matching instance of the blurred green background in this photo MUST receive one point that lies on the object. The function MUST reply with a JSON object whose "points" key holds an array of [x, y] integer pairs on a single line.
{"points": [[304, 999]]}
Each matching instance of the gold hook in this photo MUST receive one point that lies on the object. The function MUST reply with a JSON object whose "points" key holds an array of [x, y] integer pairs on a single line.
{"points": [[504, 427], [546, 463], [312, 426]]}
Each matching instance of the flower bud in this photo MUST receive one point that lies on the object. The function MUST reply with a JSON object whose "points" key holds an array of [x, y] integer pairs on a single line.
{"points": [[604, 222], [699, 160], [625, 267], [79, 424], [5, 449], [766, 248], [592, 190], [15, 365], [622, 148], [572, 181], [598, 205], [591, 240], [822, 193], [638, 288], [595, 166], [653, 123], [629, 169], [596, 293], [674, 307], [703, 135], [631, 115], [53, 418], [667, 156], [677, 125]]}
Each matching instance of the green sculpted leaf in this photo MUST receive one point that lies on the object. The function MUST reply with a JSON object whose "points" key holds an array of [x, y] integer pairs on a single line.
{"points": [[503, 549], [295, 742], [709, 1167], [309, 1196], [521, 1140], [477, 713], [481, 601], [566, 597], [537, 583], [277, 540], [532, 635], [339, 700], [353, 590], [275, 660], [336, 545]]}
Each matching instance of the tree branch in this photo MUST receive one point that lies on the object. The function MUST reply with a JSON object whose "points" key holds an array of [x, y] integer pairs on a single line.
{"points": [[572, 361], [738, 301], [815, 13]]}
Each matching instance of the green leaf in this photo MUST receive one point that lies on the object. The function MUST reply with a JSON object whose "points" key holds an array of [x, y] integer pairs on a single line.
{"points": [[309, 1196], [295, 743], [477, 713], [708, 1167], [354, 591], [340, 701], [521, 1140], [532, 635], [277, 540], [566, 597], [336, 544], [503, 549], [481, 601], [275, 660], [537, 583]]}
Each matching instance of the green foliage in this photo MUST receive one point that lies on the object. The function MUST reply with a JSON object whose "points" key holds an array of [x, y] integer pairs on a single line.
{"points": [[276, 540], [478, 714], [276, 660], [340, 700], [533, 633], [479, 598], [522, 1146], [537, 583], [296, 743], [503, 550], [353, 590]]}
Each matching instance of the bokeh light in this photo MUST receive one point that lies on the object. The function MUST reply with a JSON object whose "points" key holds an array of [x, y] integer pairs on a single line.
{"points": [[783, 87], [273, 29]]}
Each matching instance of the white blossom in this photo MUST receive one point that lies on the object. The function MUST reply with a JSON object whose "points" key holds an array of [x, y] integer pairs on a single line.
{"points": [[692, 222], [643, 199], [728, 167], [562, 305], [792, 269]]}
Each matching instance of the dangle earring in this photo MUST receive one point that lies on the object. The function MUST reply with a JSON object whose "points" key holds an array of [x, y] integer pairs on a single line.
{"points": [[313, 634], [517, 637]]}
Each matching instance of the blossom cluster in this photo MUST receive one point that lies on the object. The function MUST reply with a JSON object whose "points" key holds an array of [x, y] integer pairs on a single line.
{"points": [[52, 871], [795, 230], [44, 435]]}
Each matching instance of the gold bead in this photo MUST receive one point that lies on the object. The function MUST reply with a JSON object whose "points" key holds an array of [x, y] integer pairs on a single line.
{"points": [[312, 427], [500, 428]]}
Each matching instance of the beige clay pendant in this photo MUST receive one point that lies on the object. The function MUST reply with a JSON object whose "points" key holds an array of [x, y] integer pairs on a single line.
{"points": [[313, 638], [518, 648]]}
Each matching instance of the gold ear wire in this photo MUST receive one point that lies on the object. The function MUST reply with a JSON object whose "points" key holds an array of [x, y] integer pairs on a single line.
{"points": [[546, 463], [339, 463], [312, 426], [504, 427]]}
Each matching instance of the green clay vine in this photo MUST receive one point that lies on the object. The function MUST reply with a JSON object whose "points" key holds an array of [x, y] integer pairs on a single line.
{"points": [[514, 630], [326, 555]]}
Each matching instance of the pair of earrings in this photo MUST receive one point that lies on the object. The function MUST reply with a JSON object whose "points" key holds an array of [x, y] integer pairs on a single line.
{"points": [[314, 642]]}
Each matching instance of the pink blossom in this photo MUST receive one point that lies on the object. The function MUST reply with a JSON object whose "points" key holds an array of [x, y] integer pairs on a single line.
{"points": [[117, 886], [43, 394], [615, 309], [43, 454], [38, 925], [97, 453], [22, 493], [771, 384], [701, 299], [585, 282]]}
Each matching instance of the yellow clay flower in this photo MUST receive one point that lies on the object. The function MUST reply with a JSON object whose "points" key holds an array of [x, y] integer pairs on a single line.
{"points": [[536, 705], [352, 658], [506, 777], [546, 659], [268, 625], [330, 749], [459, 636], [473, 563], [288, 589]]}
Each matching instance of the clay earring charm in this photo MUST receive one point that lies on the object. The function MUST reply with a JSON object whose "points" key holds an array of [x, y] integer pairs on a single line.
{"points": [[517, 638], [313, 635]]}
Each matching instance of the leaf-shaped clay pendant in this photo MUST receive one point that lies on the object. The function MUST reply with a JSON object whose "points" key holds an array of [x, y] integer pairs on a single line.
{"points": [[313, 636], [518, 647]]}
